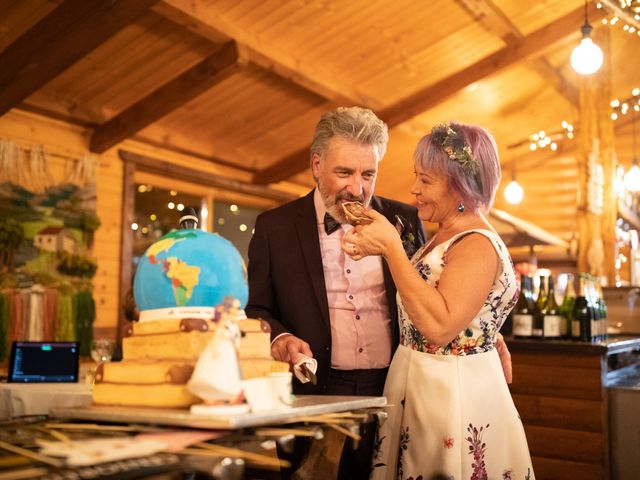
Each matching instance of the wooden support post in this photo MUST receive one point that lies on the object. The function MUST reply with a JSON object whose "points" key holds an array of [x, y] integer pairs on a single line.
{"points": [[597, 205]]}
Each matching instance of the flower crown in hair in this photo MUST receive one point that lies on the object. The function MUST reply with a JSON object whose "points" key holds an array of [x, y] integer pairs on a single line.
{"points": [[455, 147]]}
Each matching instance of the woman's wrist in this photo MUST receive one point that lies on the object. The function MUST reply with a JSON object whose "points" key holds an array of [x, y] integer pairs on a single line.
{"points": [[393, 250]]}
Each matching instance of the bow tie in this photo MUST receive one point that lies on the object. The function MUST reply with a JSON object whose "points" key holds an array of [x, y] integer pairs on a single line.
{"points": [[330, 224]]}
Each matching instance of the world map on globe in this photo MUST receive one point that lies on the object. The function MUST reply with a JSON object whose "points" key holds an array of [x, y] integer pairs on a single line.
{"points": [[189, 268]]}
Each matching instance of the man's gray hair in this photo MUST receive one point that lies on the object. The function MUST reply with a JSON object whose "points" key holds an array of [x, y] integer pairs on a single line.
{"points": [[351, 123]]}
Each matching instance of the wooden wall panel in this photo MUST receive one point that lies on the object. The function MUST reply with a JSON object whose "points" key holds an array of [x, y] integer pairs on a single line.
{"points": [[552, 469], [566, 413], [556, 360], [556, 382], [585, 447]]}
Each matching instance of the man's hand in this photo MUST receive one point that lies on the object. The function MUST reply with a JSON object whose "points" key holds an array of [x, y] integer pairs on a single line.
{"points": [[505, 357], [287, 348]]}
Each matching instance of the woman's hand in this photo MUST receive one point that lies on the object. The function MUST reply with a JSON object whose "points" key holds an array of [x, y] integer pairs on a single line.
{"points": [[375, 238]]}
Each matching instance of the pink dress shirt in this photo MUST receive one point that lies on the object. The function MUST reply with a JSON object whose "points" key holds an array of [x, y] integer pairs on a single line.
{"points": [[361, 333]]}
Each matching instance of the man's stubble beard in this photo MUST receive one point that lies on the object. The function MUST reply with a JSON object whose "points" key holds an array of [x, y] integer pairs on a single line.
{"points": [[331, 204]]}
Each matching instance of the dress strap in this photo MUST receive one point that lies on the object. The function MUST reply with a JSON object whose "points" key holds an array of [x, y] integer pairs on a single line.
{"points": [[496, 241]]}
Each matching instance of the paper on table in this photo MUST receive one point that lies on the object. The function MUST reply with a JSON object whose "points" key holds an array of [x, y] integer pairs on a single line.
{"points": [[101, 450]]}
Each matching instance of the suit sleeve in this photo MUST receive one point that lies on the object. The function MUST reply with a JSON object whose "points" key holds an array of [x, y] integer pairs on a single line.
{"points": [[262, 296], [422, 238]]}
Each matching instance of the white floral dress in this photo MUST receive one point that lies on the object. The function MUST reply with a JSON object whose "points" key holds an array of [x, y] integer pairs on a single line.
{"points": [[452, 411]]}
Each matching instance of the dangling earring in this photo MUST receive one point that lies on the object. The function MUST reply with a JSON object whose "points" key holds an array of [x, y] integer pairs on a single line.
{"points": [[461, 207]]}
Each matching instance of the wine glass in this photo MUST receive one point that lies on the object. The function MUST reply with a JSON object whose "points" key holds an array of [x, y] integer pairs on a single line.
{"points": [[102, 350]]}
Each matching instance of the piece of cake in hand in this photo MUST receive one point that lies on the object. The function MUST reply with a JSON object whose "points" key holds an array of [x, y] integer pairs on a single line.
{"points": [[356, 213]]}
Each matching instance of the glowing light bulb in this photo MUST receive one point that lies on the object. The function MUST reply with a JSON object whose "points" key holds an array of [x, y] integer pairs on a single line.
{"points": [[587, 57], [513, 192]]}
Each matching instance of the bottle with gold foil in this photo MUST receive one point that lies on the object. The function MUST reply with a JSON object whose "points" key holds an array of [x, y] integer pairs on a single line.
{"points": [[551, 319], [538, 315], [523, 311]]}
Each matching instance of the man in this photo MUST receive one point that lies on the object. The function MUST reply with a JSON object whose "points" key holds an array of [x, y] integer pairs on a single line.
{"points": [[319, 302]]}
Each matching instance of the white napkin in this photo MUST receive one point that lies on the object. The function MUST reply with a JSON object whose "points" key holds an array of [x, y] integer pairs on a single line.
{"points": [[311, 363]]}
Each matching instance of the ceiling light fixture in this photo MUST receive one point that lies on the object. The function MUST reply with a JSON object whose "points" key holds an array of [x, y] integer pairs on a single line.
{"points": [[587, 57], [513, 192]]}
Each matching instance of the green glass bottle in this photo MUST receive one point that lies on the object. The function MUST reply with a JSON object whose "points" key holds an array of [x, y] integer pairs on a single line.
{"points": [[582, 314], [566, 309]]}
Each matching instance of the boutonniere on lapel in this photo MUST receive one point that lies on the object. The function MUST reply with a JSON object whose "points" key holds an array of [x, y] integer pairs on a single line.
{"points": [[407, 235]]}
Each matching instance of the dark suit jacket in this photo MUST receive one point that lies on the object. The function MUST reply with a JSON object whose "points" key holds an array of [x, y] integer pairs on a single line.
{"points": [[286, 279]]}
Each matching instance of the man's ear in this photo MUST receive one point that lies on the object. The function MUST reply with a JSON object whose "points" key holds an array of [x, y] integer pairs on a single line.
{"points": [[315, 165]]}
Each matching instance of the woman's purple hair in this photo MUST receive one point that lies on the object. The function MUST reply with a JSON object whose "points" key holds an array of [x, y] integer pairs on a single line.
{"points": [[476, 188]]}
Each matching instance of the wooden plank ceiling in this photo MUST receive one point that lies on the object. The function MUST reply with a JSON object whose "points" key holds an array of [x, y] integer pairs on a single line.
{"points": [[243, 82]]}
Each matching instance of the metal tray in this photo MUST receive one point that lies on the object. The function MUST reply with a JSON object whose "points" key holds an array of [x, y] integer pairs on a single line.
{"points": [[304, 405]]}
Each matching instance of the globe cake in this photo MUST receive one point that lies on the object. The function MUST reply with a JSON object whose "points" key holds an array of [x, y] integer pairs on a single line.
{"points": [[185, 283]]}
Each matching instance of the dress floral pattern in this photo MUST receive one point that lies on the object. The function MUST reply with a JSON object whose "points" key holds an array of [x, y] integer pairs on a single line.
{"points": [[454, 415]]}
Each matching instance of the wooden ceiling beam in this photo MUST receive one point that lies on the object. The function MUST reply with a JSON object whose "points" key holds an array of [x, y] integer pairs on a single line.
{"points": [[434, 94], [533, 43], [160, 167], [195, 16], [494, 20], [57, 41], [187, 86]]}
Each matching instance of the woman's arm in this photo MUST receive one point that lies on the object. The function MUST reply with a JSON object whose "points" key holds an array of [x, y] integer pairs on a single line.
{"points": [[438, 313]]}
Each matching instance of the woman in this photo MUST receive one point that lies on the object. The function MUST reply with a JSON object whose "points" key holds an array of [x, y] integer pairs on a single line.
{"points": [[453, 413]]}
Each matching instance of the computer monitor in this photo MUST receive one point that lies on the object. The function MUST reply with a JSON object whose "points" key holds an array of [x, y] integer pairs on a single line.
{"points": [[44, 362]]}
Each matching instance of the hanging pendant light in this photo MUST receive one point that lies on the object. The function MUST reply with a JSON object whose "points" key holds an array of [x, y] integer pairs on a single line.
{"points": [[587, 57], [513, 192], [632, 177]]}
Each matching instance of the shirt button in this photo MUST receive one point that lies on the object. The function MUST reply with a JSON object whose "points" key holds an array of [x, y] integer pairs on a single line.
{"points": [[361, 350], [357, 317], [348, 270], [350, 297]]}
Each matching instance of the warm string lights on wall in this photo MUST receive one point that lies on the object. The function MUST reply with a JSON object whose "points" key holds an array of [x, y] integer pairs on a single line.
{"points": [[622, 107], [550, 140], [622, 12], [513, 192]]}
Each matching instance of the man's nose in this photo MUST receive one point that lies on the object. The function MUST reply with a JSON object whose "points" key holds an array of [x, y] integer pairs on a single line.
{"points": [[355, 186]]}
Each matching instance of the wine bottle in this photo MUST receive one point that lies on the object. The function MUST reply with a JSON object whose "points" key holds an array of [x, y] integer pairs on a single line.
{"points": [[551, 318], [566, 309], [603, 313], [593, 305], [538, 316], [582, 314], [523, 311]]}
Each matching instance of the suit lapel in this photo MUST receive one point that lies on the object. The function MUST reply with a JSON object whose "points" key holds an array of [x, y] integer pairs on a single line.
{"points": [[310, 244]]}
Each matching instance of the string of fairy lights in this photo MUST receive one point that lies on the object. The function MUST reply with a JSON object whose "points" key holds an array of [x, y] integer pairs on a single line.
{"points": [[620, 107]]}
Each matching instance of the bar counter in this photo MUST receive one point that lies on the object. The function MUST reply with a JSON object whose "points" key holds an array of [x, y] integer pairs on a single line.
{"points": [[565, 394]]}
